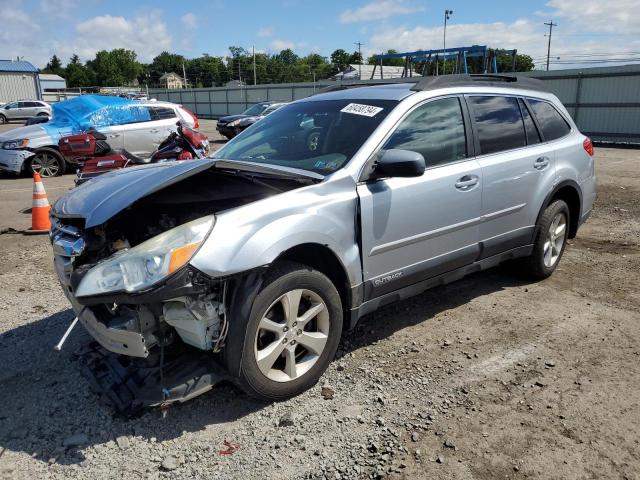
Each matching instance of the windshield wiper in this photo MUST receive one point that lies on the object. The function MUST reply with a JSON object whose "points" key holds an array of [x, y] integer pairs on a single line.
{"points": [[269, 170]]}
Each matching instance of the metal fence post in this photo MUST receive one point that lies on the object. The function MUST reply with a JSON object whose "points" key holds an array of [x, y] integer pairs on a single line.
{"points": [[577, 100]]}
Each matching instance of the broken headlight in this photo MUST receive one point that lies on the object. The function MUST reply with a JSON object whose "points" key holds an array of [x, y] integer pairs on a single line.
{"points": [[143, 265]]}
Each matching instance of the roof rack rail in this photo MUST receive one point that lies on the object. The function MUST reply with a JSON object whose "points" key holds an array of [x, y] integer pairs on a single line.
{"points": [[347, 86], [484, 79]]}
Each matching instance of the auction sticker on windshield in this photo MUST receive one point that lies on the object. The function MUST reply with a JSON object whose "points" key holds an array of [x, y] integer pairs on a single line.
{"points": [[364, 110]]}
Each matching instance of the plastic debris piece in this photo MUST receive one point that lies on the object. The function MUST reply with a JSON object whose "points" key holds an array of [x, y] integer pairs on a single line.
{"points": [[229, 447]]}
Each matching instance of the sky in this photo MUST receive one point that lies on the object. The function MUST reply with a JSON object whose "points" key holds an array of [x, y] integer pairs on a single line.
{"points": [[587, 30]]}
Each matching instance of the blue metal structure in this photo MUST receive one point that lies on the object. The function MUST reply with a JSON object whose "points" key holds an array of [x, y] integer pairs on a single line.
{"points": [[17, 66], [430, 59]]}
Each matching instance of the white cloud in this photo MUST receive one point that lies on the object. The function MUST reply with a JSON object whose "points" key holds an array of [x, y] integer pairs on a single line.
{"points": [[617, 17], [279, 45], [524, 35], [517, 34], [265, 32], [58, 8], [190, 21], [147, 35], [378, 10]]}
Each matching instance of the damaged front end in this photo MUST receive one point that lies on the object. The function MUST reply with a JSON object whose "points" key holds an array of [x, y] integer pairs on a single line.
{"points": [[122, 246]]}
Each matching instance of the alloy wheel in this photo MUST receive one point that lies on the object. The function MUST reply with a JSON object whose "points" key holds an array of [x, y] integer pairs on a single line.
{"points": [[46, 165], [555, 240], [291, 335]]}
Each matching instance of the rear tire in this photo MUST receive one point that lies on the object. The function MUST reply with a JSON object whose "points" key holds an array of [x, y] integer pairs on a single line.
{"points": [[48, 163], [550, 241], [285, 350]]}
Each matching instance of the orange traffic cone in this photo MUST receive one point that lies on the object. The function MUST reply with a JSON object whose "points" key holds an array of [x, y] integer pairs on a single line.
{"points": [[40, 211]]}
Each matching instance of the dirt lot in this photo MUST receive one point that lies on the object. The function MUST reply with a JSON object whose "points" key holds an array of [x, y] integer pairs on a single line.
{"points": [[490, 377]]}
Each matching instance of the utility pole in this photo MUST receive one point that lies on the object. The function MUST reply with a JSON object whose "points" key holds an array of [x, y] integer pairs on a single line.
{"points": [[254, 65], [447, 14], [360, 62], [550, 25], [184, 75]]}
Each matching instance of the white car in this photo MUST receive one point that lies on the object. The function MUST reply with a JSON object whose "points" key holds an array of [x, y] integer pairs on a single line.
{"points": [[136, 126]]}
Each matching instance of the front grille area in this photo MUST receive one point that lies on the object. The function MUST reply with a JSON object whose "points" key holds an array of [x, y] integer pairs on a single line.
{"points": [[68, 242]]}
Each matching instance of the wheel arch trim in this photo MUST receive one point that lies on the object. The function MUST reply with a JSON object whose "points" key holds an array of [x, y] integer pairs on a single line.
{"points": [[574, 222]]}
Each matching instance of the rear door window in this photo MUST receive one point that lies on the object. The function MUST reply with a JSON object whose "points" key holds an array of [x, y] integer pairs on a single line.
{"points": [[533, 136], [553, 125], [162, 113], [498, 123]]}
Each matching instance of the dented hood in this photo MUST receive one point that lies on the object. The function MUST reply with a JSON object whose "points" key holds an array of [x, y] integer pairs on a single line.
{"points": [[96, 201]]}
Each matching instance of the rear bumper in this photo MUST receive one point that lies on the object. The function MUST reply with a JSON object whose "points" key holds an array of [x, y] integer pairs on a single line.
{"points": [[13, 160]]}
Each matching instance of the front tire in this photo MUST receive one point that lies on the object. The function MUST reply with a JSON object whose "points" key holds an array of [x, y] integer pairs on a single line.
{"points": [[551, 239], [48, 163], [291, 335], [3, 119]]}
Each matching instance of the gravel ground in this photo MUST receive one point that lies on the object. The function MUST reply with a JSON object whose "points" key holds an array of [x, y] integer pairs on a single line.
{"points": [[489, 377]]}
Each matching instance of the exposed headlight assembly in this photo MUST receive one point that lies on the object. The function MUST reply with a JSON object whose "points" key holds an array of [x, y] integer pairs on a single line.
{"points": [[15, 144], [144, 265], [234, 123]]}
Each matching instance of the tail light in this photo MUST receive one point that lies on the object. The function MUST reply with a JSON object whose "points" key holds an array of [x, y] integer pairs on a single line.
{"points": [[588, 146], [196, 122]]}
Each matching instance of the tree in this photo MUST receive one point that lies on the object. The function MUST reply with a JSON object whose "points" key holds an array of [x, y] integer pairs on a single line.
{"points": [[77, 74], [206, 71], [524, 63], [54, 66], [355, 58], [116, 68], [168, 62], [387, 62], [340, 59]]}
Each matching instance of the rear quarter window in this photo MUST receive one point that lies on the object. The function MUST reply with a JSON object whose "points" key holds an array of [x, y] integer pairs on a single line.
{"points": [[552, 124]]}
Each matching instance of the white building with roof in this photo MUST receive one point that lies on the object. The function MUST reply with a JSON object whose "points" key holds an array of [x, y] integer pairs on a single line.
{"points": [[18, 81], [50, 82]]}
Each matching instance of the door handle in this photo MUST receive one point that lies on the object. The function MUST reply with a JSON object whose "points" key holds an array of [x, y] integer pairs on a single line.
{"points": [[114, 135], [466, 182], [154, 130], [541, 163]]}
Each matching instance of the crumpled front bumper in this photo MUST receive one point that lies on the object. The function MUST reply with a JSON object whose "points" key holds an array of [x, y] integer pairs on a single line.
{"points": [[13, 160], [120, 341]]}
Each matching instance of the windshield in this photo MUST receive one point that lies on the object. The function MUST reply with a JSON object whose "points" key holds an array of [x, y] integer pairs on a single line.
{"points": [[271, 109], [255, 110], [320, 136]]}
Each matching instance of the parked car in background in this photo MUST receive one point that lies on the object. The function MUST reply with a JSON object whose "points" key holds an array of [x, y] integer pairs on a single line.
{"points": [[23, 109], [232, 125], [139, 127], [267, 252]]}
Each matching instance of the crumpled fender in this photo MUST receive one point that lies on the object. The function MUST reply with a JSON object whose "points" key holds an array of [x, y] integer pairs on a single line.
{"points": [[254, 235]]}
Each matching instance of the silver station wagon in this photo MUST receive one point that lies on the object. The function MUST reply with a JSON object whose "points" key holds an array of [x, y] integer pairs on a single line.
{"points": [[249, 266]]}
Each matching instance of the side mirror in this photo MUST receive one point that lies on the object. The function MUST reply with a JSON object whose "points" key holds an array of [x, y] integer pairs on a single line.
{"points": [[400, 163]]}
